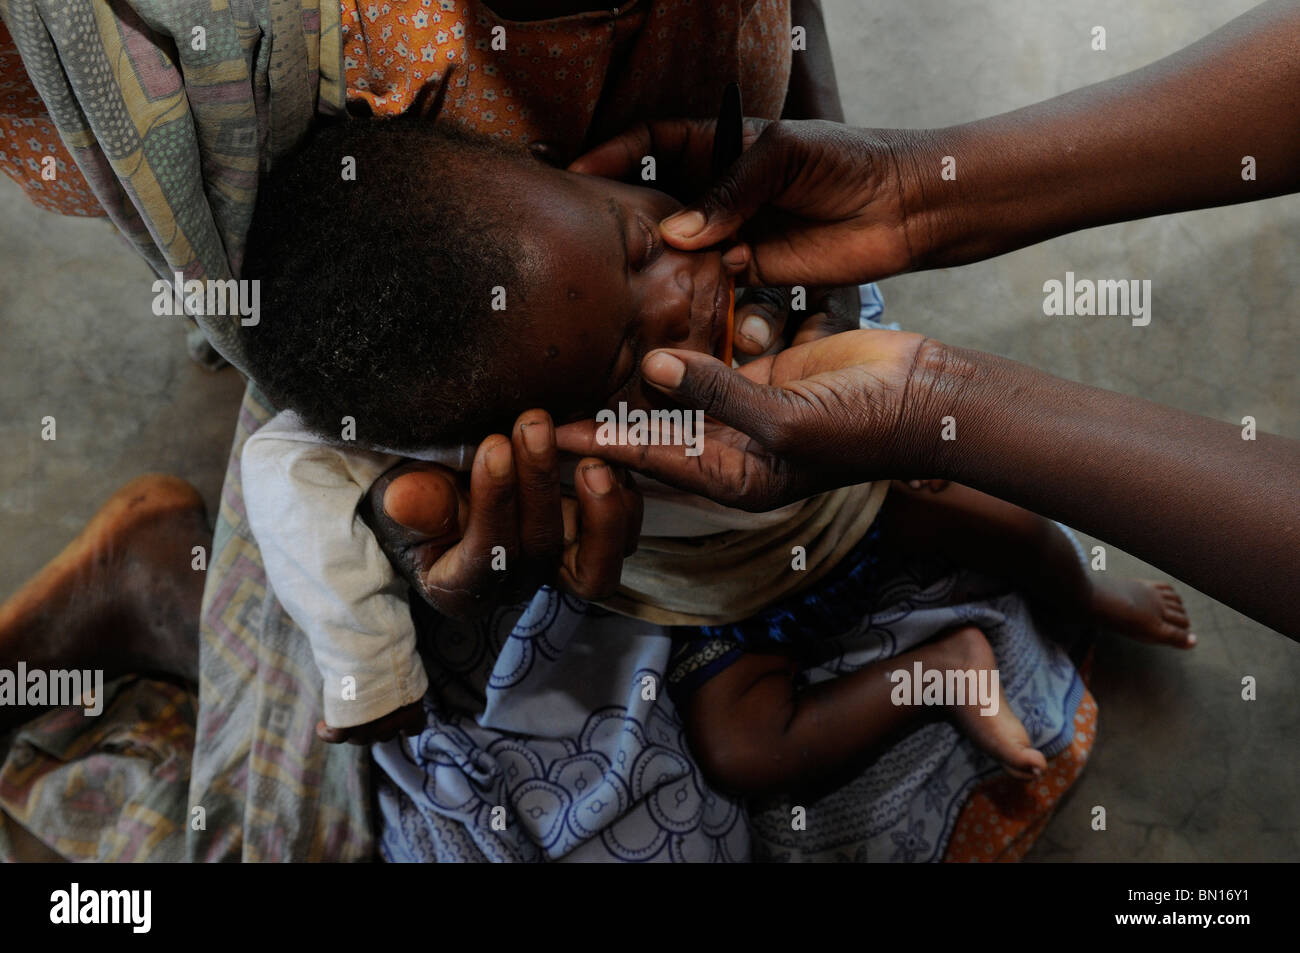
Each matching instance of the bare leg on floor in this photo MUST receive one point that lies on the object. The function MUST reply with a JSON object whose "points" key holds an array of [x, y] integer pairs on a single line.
{"points": [[986, 534], [122, 596]]}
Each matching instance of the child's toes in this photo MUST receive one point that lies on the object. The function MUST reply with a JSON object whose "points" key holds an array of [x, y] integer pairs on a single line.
{"points": [[1177, 635], [1026, 764]]}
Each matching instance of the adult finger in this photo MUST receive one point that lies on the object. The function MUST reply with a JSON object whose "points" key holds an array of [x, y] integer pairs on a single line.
{"points": [[424, 501], [681, 148], [541, 531], [593, 563], [461, 577], [702, 382], [760, 174]]}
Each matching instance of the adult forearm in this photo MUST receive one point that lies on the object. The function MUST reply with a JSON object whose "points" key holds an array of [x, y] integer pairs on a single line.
{"points": [[1172, 136], [1185, 493]]}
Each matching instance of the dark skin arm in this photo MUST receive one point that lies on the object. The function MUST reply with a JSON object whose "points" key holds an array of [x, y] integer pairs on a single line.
{"points": [[1165, 138], [812, 94], [820, 202], [831, 204], [1183, 492]]}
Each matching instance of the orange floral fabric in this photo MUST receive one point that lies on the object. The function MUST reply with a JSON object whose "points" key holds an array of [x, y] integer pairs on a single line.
{"points": [[1004, 817], [27, 136], [572, 81]]}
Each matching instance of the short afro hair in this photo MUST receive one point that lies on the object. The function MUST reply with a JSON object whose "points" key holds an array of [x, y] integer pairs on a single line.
{"points": [[376, 292]]}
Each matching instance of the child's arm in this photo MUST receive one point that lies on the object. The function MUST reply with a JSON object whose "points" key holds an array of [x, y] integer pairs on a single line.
{"points": [[327, 570]]}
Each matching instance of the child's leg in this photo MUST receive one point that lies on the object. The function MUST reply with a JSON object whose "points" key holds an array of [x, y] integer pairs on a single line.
{"points": [[990, 535], [753, 733]]}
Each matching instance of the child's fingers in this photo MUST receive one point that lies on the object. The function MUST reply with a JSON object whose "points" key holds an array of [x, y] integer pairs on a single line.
{"points": [[593, 563]]}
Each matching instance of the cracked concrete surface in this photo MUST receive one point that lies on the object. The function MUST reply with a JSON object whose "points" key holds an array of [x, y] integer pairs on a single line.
{"points": [[1184, 767]]}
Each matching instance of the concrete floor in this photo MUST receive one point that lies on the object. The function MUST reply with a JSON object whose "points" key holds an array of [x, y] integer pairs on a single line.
{"points": [[1185, 769]]}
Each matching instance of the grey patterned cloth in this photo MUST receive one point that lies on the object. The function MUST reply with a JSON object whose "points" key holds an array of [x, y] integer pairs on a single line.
{"points": [[170, 126]]}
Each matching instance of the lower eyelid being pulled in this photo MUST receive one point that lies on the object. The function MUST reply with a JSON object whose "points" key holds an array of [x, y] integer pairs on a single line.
{"points": [[653, 241]]}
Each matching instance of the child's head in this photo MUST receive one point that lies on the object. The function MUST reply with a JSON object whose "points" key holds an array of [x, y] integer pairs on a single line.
{"points": [[380, 294]]}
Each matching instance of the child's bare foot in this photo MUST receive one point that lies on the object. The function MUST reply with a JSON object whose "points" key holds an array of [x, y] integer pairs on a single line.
{"points": [[123, 595], [1002, 735], [1143, 610]]}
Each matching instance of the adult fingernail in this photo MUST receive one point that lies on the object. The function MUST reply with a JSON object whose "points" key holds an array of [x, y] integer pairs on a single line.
{"points": [[757, 330], [537, 437], [736, 256], [498, 460], [684, 224], [599, 480], [664, 370]]}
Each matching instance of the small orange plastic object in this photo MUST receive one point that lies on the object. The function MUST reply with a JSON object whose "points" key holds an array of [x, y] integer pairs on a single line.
{"points": [[731, 325]]}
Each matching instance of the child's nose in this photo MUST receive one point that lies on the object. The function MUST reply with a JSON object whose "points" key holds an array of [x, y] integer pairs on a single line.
{"points": [[697, 275], [666, 312]]}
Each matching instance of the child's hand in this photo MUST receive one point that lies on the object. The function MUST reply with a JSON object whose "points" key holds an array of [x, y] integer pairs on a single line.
{"points": [[409, 720]]}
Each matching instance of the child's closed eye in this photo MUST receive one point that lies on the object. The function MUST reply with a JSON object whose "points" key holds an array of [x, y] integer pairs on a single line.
{"points": [[651, 246]]}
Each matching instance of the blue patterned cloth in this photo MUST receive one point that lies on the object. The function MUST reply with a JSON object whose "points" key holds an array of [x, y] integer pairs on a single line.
{"points": [[550, 738], [551, 733]]}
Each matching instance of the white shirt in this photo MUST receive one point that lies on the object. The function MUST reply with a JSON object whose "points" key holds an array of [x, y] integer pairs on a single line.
{"points": [[326, 568]]}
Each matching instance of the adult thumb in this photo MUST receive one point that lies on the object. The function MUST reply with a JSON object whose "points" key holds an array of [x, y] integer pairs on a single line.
{"points": [[750, 183], [704, 383]]}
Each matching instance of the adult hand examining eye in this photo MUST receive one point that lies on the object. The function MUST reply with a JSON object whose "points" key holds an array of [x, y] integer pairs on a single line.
{"points": [[450, 537], [1169, 487], [824, 414], [825, 204], [813, 202]]}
